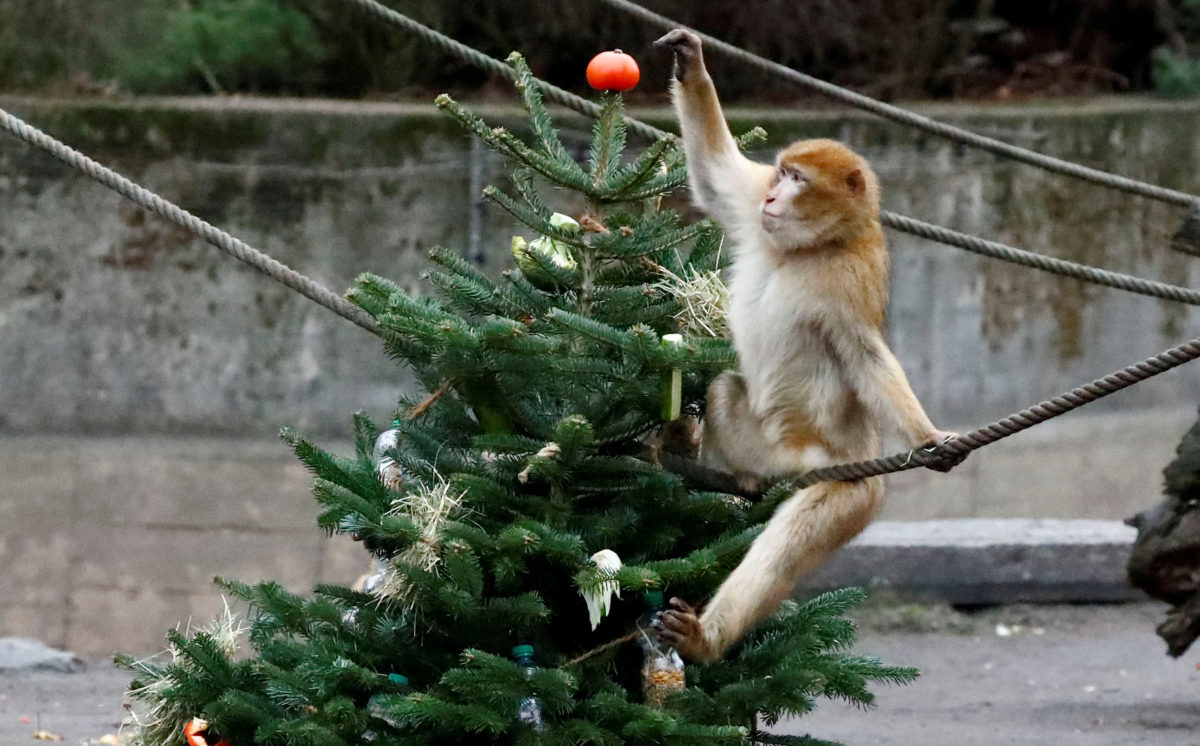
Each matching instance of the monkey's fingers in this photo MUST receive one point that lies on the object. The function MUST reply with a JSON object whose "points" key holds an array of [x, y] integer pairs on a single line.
{"points": [[682, 630], [685, 45], [677, 629], [682, 606], [942, 460], [679, 38]]}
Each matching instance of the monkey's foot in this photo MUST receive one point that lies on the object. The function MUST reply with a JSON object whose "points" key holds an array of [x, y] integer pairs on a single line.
{"points": [[680, 628], [751, 484], [682, 436], [686, 47]]}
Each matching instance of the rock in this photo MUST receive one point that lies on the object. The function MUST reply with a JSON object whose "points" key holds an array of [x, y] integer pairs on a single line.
{"points": [[1165, 561], [27, 654]]}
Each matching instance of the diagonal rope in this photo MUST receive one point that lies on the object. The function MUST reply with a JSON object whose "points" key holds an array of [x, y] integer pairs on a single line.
{"points": [[959, 445], [239, 250], [1014, 423], [912, 119], [928, 231], [968, 442], [490, 64]]}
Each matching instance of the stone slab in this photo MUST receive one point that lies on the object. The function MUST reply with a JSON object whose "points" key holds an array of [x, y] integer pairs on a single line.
{"points": [[27, 654], [986, 561]]}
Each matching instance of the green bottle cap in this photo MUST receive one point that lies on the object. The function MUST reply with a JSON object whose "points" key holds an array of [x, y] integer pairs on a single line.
{"points": [[523, 651], [398, 679], [653, 599], [396, 424]]}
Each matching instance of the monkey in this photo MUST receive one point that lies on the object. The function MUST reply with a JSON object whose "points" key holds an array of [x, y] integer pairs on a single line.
{"points": [[817, 381]]}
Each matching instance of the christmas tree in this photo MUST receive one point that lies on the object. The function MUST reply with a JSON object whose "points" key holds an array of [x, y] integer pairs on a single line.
{"points": [[508, 505]]}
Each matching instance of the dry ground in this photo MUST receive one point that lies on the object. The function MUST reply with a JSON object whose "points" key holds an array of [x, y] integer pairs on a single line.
{"points": [[1063, 675]]}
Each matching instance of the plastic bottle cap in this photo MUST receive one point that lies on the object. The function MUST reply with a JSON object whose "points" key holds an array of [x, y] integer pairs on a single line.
{"points": [[398, 679], [653, 599], [522, 651]]}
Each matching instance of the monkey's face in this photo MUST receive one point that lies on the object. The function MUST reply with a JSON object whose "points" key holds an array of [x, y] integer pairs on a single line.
{"points": [[782, 201], [822, 192]]}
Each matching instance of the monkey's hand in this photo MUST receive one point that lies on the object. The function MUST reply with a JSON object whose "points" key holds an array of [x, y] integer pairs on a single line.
{"points": [[943, 461], [689, 59], [682, 436], [680, 628]]}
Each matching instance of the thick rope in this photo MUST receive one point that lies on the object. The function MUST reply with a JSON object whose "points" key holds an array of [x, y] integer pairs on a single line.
{"points": [[1014, 423], [957, 446], [491, 64], [901, 223], [1005, 253], [177, 215], [933, 126], [962, 444]]}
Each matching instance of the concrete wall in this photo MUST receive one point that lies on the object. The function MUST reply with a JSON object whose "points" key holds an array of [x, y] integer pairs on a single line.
{"points": [[144, 375]]}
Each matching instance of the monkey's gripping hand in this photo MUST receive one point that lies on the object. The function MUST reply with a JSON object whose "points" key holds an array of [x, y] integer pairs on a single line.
{"points": [[942, 460], [680, 628], [685, 45]]}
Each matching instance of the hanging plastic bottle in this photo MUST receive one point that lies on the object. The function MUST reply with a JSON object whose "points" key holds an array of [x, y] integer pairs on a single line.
{"points": [[529, 712], [399, 685], [386, 466], [662, 668], [369, 584]]}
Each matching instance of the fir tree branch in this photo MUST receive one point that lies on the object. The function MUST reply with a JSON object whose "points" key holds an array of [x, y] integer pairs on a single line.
{"points": [[608, 141], [567, 173], [424, 406], [648, 163], [660, 184], [539, 121]]}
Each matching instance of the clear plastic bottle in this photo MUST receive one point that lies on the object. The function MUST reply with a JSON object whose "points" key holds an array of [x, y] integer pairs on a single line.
{"points": [[529, 712], [369, 584], [386, 466], [399, 685], [662, 668]]}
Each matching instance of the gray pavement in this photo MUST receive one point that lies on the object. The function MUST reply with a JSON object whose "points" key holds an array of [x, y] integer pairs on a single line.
{"points": [[1068, 675], [1087, 675]]}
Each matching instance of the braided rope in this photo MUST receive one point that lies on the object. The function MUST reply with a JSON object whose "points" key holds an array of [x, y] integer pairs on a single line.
{"points": [[1005, 253], [962, 444], [177, 215], [933, 126], [958, 446], [902, 223], [491, 64], [1014, 423]]}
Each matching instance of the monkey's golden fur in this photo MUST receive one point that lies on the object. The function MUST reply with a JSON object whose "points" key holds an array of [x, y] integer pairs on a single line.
{"points": [[817, 381]]}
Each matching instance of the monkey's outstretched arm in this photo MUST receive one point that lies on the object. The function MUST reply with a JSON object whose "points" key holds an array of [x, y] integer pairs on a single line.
{"points": [[724, 183], [883, 387]]}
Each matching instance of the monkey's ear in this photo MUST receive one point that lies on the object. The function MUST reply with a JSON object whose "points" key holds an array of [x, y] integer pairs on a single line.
{"points": [[857, 182]]}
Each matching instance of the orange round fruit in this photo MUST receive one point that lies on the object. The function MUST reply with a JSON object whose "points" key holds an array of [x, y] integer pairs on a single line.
{"points": [[613, 71]]}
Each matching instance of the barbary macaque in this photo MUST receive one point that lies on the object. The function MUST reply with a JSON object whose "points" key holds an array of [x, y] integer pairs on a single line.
{"points": [[817, 381]]}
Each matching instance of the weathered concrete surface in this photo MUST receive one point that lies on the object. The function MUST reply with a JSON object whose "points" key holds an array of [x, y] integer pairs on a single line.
{"points": [[102, 306], [986, 561], [1081, 676], [144, 375], [106, 544]]}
